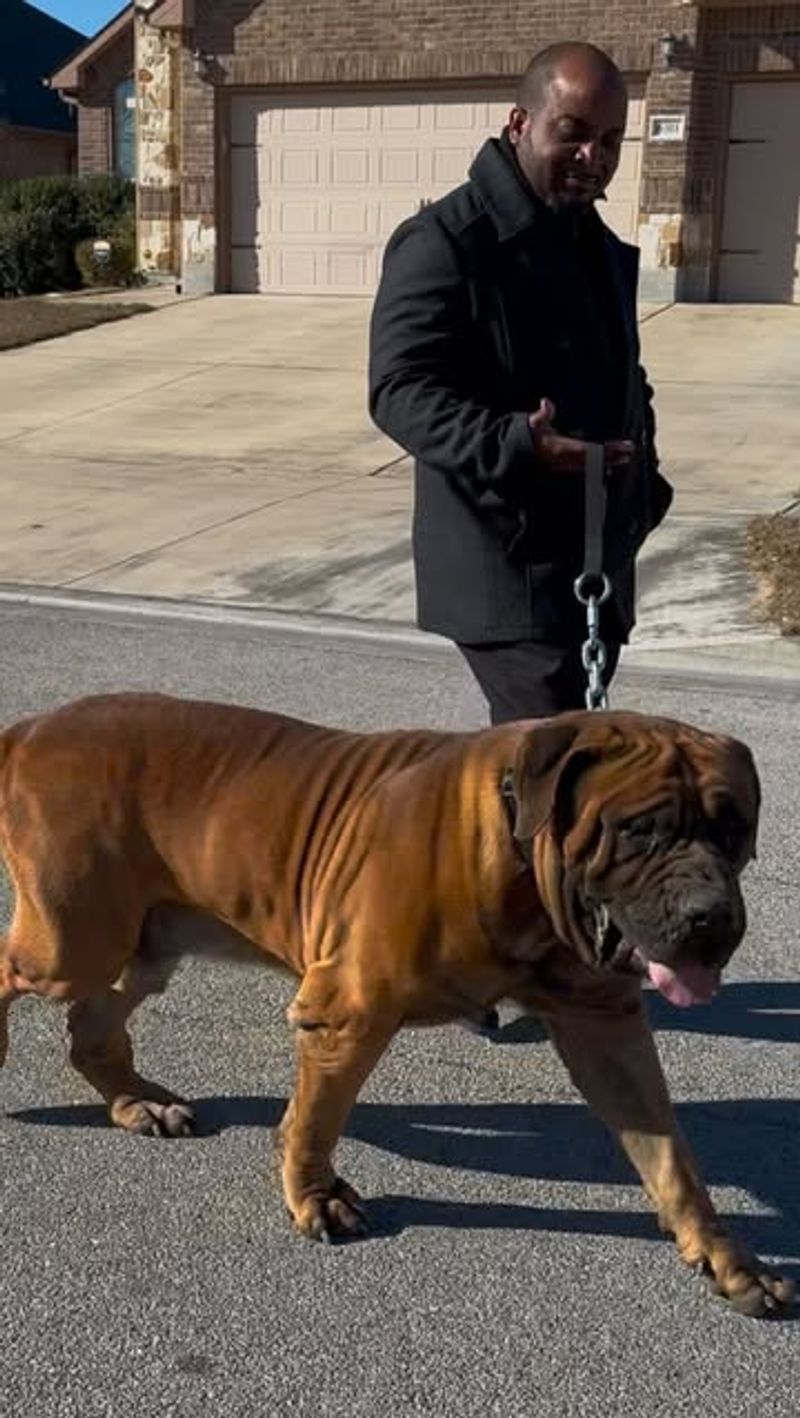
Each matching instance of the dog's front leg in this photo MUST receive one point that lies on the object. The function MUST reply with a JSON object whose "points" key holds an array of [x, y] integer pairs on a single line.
{"points": [[612, 1059], [340, 1038]]}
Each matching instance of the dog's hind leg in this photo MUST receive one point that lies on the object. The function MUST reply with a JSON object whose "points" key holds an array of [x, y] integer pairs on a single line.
{"points": [[102, 1052]]}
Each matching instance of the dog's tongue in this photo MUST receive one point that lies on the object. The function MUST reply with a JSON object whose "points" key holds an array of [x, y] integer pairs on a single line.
{"points": [[692, 984]]}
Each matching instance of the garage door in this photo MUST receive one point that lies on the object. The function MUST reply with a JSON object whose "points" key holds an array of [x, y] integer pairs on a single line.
{"points": [[317, 185], [758, 258]]}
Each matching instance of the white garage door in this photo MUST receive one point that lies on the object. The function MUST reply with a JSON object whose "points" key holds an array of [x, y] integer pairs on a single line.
{"points": [[758, 258], [319, 184]]}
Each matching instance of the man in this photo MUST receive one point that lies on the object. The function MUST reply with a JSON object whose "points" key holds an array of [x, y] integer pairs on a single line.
{"points": [[503, 340]]}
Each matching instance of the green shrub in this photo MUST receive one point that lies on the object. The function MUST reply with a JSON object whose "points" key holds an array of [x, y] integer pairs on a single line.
{"points": [[120, 268], [42, 221], [31, 257]]}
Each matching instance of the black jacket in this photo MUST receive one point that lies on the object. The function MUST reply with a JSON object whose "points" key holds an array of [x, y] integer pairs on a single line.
{"points": [[487, 304]]}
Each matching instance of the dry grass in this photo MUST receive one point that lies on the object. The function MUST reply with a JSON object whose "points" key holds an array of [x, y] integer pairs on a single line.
{"points": [[773, 550], [28, 319]]}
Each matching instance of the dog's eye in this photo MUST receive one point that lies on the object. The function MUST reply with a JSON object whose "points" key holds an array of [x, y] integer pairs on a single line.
{"points": [[640, 832]]}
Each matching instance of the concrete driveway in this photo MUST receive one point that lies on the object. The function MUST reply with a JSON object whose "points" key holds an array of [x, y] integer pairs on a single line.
{"points": [[220, 450]]}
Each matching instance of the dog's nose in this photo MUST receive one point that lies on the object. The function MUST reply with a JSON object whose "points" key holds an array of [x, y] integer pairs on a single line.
{"points": [[710, 925], [706, 918], [700, 920]]}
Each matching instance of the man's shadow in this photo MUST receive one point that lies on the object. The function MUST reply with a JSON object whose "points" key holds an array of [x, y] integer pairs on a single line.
{"points": [[767, 1010], [764, 1009]]}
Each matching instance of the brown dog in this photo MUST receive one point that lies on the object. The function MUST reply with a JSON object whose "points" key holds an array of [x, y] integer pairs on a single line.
{"points": [[405, 878]]}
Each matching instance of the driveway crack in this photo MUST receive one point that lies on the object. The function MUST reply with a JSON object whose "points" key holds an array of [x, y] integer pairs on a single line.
{"points": [[139, 556]]}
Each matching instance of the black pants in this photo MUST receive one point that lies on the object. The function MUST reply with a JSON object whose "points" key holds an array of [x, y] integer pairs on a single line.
{"points": [[528, 679]]}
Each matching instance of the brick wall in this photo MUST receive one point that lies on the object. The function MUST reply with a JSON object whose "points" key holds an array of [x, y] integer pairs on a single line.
{"points": [[94, 139], [319, 41], [96, 112], [31, 152]]}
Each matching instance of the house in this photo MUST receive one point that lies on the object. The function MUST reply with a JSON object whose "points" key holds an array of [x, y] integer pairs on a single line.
{"points": [[277, 144], [37, 131]]}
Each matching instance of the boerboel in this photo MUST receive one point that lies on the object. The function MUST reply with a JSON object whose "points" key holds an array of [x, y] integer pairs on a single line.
{"points": [[405, 878]]}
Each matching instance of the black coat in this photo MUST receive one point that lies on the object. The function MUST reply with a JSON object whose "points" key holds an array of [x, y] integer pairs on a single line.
{"points": [[485, 307]]}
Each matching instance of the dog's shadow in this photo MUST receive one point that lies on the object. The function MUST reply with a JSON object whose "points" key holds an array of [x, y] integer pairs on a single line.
{"points": [[750, 1144]]}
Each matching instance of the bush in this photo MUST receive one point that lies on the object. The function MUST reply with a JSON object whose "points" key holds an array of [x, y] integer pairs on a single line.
{"points": [[773, 550], [25, 253], [120, 268], [43, 219]]}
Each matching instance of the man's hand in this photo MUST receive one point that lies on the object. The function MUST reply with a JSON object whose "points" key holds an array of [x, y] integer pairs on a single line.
{"points": [[568, 455]]}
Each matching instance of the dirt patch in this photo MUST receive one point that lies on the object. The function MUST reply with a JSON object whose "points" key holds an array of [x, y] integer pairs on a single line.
{"points": [[773, 550], [26, 320]]}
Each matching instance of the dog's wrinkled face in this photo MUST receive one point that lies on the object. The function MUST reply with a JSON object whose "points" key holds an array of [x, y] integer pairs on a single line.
{"points": [[650, 824]]}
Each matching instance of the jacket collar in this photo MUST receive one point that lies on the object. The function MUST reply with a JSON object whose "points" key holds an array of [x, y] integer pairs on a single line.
{"points": [[509, 200], [506, 195]]}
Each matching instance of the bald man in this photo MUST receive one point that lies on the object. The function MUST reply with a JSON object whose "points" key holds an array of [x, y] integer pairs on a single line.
{"points": [[503, 340]]}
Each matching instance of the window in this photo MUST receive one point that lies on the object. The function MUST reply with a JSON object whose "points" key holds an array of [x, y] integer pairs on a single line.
{"points": [[125, 129]]}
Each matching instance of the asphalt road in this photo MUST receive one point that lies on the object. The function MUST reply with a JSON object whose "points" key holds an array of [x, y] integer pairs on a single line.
{"points": [[515, 1268]]}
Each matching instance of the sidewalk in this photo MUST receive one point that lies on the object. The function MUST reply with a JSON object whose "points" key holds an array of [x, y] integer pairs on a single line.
{"points": [[219, 450]]}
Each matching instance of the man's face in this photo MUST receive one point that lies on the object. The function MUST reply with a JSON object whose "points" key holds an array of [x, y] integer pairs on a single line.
{"points": [[569, 148]]}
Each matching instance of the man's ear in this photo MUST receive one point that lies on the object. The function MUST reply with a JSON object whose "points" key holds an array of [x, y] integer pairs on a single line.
{"points": [[517, 119], [544, 764]]}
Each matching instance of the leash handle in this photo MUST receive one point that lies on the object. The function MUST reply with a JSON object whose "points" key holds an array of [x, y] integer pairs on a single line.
{"points": [[592, 578]]}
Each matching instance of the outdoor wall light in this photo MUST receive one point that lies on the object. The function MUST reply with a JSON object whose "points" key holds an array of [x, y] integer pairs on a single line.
{"points": [[669, 46], [202, 63]]}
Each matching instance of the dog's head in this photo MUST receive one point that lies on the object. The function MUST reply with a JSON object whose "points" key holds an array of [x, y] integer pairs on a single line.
{"points": [[638, 829]]}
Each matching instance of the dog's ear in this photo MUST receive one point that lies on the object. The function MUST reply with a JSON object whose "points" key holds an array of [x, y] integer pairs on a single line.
{"points": [[547, 763], [737, 811]]}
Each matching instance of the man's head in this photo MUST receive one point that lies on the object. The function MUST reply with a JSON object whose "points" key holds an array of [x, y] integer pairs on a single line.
{"points": [[568, 124]]}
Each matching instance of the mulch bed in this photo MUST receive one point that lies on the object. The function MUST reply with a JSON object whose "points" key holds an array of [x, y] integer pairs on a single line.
{"points": [[773, 550], [28, 319]]}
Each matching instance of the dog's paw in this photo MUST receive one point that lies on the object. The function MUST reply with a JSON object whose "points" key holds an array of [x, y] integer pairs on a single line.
{"points": [[757, 1291], [736, 1275], [150, 1119], [337, 1214]]}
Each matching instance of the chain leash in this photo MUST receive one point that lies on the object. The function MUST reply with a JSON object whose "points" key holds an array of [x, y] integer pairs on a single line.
{"points": [[593, 650], [593, 588]]}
